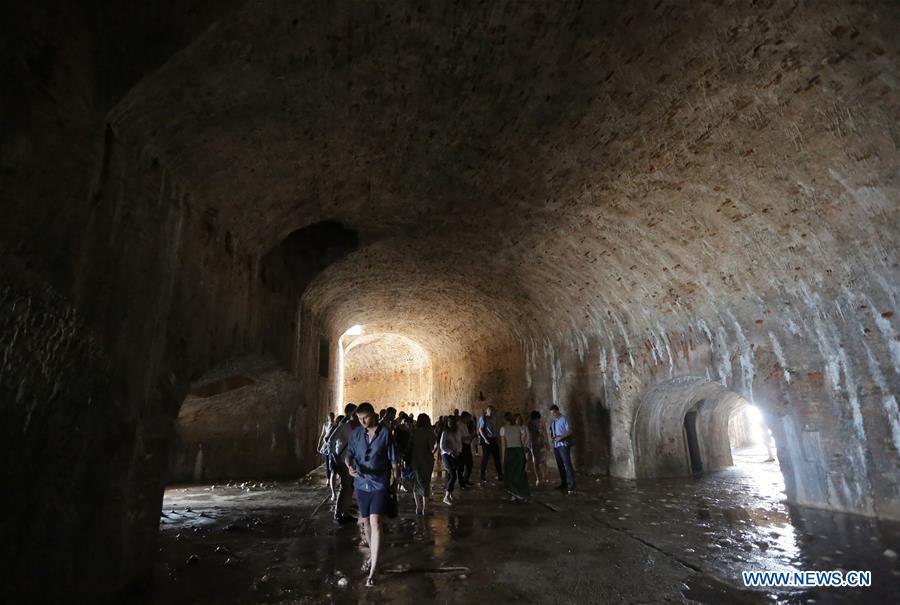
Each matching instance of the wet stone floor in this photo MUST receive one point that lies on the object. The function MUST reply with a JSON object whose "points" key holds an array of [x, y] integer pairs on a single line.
{"points": [[672, 541]]}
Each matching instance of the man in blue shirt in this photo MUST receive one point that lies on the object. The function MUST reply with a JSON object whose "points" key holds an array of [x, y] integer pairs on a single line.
{"points": [[375, 467], [490, 439], [561, 433]]}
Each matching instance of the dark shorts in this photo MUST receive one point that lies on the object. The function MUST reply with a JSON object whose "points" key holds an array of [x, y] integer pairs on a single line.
{"points": [[372, 503]]}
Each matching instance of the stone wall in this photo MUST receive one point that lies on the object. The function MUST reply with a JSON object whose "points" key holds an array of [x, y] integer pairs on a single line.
{"points": [[387, 370], [242, 429], [149, 289], [470, 382], [406, 391], [812, 372]]}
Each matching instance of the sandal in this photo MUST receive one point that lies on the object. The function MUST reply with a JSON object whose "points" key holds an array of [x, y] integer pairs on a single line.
{"points": [[370, 582]]}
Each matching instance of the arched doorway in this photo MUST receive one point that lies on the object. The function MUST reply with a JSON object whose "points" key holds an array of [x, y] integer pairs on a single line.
{"points": [[385, 369], [692, 442], [694, 425]]}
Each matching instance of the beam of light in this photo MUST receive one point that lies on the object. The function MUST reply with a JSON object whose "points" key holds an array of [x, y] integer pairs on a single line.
{"points": [[354, 330], [754, 420]]}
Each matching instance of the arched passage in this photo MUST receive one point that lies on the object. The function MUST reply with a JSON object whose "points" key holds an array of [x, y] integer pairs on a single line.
{"points": [[682, 426], [243, 419], [386, 369], [749, 434]]}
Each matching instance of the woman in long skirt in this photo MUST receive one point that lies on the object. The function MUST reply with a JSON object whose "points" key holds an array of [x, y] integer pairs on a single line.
{"points": [[422, 446], [513, 454]]}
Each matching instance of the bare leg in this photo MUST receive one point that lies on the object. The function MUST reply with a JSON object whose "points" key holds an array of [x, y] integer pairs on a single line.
{"points": [[365, 532], [374, 547]]}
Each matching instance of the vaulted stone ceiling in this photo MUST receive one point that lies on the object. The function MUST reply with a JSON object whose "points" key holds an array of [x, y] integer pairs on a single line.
{"points": [[516, 171], [612, 206]]}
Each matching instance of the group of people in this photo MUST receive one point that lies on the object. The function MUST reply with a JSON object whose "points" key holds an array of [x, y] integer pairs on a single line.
{"points": [[375, 455]]}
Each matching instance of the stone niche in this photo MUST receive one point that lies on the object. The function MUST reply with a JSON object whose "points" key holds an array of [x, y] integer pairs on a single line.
{"points": [[240, 421]]}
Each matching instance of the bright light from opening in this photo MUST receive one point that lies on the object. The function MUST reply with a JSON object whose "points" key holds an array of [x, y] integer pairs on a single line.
{"points": [[758, 432], [354, 330]]}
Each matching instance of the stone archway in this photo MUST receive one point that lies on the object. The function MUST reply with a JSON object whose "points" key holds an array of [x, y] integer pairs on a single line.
{"points": [[387, 370], [661, 443]]}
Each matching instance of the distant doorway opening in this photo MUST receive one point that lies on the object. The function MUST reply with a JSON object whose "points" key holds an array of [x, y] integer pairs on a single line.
{"points": [[692, 442], [386, 369]]}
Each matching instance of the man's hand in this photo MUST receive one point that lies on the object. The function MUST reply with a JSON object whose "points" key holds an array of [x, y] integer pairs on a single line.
{"points": [[353, 472]]}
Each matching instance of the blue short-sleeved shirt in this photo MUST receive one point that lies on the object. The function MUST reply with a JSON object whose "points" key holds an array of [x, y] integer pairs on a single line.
{"points": [[373, 459], [559, 426], [487, 423]]}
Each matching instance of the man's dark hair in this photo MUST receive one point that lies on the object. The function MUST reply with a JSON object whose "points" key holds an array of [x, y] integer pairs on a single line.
{"points": [[365, 407], [554, 408], [349, 409], [535, 415]]}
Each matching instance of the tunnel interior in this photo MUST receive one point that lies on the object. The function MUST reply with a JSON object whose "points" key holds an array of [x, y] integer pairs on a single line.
{"points": [[650, 214]]}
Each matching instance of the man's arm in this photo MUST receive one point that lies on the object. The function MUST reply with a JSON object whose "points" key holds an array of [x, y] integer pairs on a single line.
{"points": [[395, 474], [394, 459], [481, 429], [349, 458]]}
